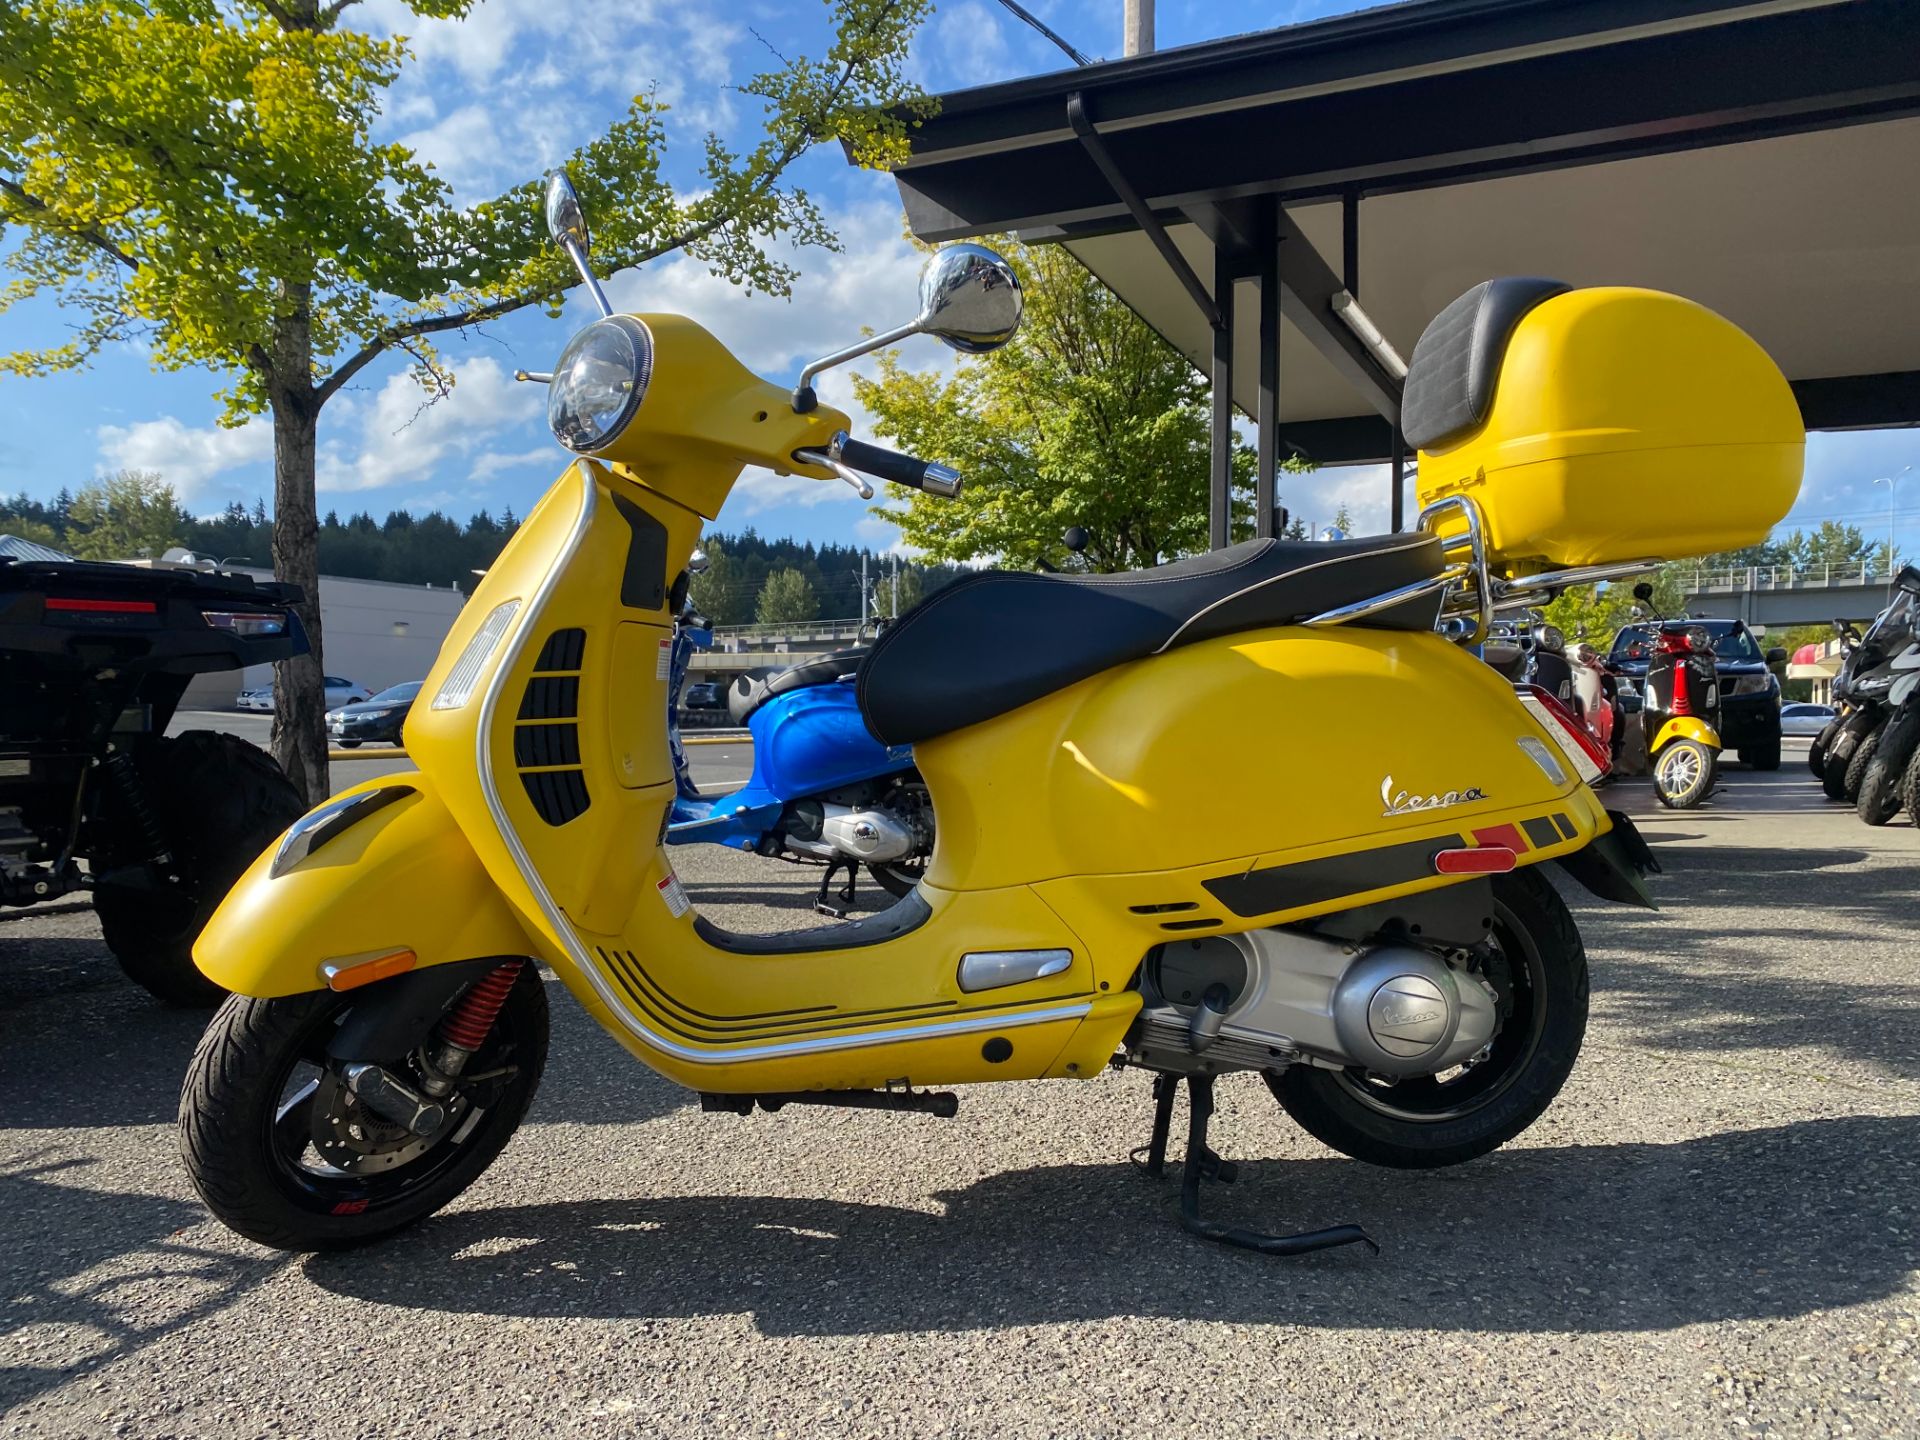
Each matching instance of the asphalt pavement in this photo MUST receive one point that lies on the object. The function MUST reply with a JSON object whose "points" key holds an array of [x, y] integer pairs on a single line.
{"points": [[1714, 1231]]}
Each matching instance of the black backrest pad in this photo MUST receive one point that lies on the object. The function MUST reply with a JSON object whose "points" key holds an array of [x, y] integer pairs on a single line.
{"points": [[1456, 362]]}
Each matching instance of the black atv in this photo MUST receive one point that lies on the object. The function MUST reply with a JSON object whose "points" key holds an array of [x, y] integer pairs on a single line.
{"points": [[93, 661]]}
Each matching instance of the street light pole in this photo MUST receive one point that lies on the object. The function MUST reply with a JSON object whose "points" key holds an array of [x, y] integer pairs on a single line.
{"points": [[1892, 482]]}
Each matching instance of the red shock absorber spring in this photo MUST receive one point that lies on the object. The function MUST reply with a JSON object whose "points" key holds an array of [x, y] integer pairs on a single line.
{"points": [[471, 1020]]}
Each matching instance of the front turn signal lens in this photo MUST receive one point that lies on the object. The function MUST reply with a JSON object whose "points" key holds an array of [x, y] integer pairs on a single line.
{"points": [[350, 972]]}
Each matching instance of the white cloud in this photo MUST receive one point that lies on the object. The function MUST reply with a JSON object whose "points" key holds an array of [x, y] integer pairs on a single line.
{"points": [[404, 439], [187, 458], [486, 466], [969, 41]]}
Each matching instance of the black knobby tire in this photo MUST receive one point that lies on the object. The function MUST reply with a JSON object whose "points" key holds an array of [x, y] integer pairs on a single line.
{"points": [[1424, 1124], [1844, 746], [1878, 800], [237, 1154], [219, 802], [1856, 775], [1910, 790], [1764, 756]]}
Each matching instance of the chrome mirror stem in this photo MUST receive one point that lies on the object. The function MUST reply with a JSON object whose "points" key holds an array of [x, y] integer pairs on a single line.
{"points": [[804, 400], [577, 253]]}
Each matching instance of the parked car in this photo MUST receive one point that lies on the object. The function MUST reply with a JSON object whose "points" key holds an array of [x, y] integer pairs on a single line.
{"points": [[1749, 690], [378, 718], [706, 695], [339, 692], [1805, 719]]}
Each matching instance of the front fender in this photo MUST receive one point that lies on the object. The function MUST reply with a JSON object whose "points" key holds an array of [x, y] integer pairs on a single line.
{"points": [[398, 876], [1684, 727]]}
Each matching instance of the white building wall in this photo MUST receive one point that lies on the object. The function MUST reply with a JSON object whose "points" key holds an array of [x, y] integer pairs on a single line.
{"points": [[373, 632]]}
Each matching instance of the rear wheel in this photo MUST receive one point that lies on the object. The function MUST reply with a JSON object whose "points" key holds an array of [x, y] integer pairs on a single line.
{"points": [[1910, 790], [1539, 973], [284, 1154], [1856, 773], [1683, 773], [898, 877], [1878, 800], [1817, 752], [218, 802]]}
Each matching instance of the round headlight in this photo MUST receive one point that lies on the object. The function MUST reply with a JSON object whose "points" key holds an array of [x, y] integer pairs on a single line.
{"points": [[599, 382]]}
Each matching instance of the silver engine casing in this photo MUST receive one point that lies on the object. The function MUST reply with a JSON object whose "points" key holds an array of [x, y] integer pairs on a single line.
{"points": [[872, 836], [1288, 998]]}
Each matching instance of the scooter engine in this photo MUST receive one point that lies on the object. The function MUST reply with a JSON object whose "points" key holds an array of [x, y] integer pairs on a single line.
{"points": [[1272, 998]]}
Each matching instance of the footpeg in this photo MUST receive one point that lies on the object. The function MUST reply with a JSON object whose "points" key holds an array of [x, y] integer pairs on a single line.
{"points": [[1202, 1163]]}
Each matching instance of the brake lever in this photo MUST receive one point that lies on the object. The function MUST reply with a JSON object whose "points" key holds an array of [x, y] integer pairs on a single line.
{"points": [[851, 476]]}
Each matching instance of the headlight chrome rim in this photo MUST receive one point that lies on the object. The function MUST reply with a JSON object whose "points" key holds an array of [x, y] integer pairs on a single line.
{"points": [[611, 358]]}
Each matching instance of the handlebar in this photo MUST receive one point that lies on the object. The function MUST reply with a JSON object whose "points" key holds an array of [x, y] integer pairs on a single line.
{"points": [[934, 479]]}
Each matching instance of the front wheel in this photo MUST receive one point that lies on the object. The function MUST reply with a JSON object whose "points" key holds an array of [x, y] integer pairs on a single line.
{"points": [[1538, 970], [284, 1154], [1817, 752], [1683, 774], [1857, 767], [1878, 800]]}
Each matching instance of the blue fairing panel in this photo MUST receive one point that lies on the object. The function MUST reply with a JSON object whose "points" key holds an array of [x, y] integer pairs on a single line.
{"points": [[813, 740]]}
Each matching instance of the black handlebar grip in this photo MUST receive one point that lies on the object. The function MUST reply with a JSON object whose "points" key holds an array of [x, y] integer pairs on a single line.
{"points": [[900, 469]]}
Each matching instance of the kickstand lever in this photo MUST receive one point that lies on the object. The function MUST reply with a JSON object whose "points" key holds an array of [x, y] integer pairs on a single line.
{"points": [[820, 902], [1202, 1163]]}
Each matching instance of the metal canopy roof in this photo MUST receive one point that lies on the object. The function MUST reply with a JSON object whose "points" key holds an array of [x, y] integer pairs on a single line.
{"points": [[1761, 158]]}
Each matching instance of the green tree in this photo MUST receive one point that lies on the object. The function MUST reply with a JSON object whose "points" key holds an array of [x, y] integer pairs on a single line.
{"points": [[1086, 418], [787, 597], [30, 530], [1836, 545], [1594, 612], [911, 592], [206, 176], [720, 594], [124, 517], [1343, 519]]}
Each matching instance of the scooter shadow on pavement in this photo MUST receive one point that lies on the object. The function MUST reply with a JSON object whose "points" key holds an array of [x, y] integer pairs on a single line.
{"points": [[1600, 1238]]}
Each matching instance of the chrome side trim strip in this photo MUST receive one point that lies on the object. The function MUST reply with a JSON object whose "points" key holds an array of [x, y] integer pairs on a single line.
{"points": [[562, 927], [992, 969]]}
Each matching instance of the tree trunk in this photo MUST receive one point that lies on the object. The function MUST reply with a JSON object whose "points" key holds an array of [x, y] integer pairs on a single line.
{"points": [[299, 692]]}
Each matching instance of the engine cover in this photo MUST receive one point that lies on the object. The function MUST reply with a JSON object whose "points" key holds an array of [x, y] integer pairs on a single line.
{"points": [[870, 835], [1393, 1009]]}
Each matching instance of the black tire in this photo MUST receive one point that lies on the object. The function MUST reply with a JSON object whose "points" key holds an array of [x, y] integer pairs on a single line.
{"points": [[1910, 790], [1424, 1124], [219, 802], [1764, 756], [242, 1158], [1684, 773], [1845, 745], [1856, 775], [348, 744], [1817, 752], [1878, 800], [898, 877]]}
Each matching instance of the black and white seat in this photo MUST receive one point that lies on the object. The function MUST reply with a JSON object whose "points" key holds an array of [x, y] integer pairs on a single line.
{"points": [[994, 641]]}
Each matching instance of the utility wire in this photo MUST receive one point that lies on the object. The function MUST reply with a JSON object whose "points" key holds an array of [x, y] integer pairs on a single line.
{"points": [[1021, 12]]}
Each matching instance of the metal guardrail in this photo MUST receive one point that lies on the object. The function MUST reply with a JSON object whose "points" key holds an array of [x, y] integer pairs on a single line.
{"points": [[1782, 577]]}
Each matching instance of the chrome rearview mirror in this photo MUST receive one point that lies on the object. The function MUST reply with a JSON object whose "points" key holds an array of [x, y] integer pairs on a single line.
{"points": [[567, 224], [969, 299]]}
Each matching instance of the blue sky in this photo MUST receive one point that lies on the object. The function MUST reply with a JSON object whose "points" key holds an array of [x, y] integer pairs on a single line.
{"points": [[502, 96]]}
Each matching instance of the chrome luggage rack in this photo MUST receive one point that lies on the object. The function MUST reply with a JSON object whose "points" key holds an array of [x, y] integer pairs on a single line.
{"points": [[1469, 595]]}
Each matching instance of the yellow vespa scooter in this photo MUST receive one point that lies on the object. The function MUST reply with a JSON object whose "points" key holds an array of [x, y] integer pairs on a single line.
{"points": [[1359, 914]]}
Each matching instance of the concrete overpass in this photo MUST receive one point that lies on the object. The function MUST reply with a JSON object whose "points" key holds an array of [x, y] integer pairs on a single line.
{"points": [[1780, 595]]}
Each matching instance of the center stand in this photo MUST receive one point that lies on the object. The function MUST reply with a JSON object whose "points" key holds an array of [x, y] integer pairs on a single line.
{"points": [[1201, 1162]]}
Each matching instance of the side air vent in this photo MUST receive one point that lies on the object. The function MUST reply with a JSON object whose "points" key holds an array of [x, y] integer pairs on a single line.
{"points": [[546, 741]]}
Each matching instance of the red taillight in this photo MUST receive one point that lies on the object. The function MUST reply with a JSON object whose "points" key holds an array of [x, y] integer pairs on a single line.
{"points": [[102, 607], [1479, 860], [1576, 742]]}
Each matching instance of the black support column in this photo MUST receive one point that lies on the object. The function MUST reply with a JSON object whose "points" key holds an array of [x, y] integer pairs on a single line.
{"points": [[1220, 479], [1266, 486]]}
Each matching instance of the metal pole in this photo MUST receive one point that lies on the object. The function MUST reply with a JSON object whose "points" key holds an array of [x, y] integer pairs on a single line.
{"points": [[1220, 482], [1137, 38], [893, 604], [1266, 484], [864, 611]]}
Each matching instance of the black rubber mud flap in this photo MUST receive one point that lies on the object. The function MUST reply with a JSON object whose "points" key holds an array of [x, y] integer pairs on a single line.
{"points": [[1613, 865], [390, 1017]]}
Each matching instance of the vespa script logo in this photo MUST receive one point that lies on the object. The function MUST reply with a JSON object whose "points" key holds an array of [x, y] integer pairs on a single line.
{"points": [[1405, 802]]}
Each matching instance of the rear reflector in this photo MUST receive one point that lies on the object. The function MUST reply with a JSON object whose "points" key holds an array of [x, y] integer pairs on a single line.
{"points": [[1481, 860], [351, 972], [102, 607]]}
